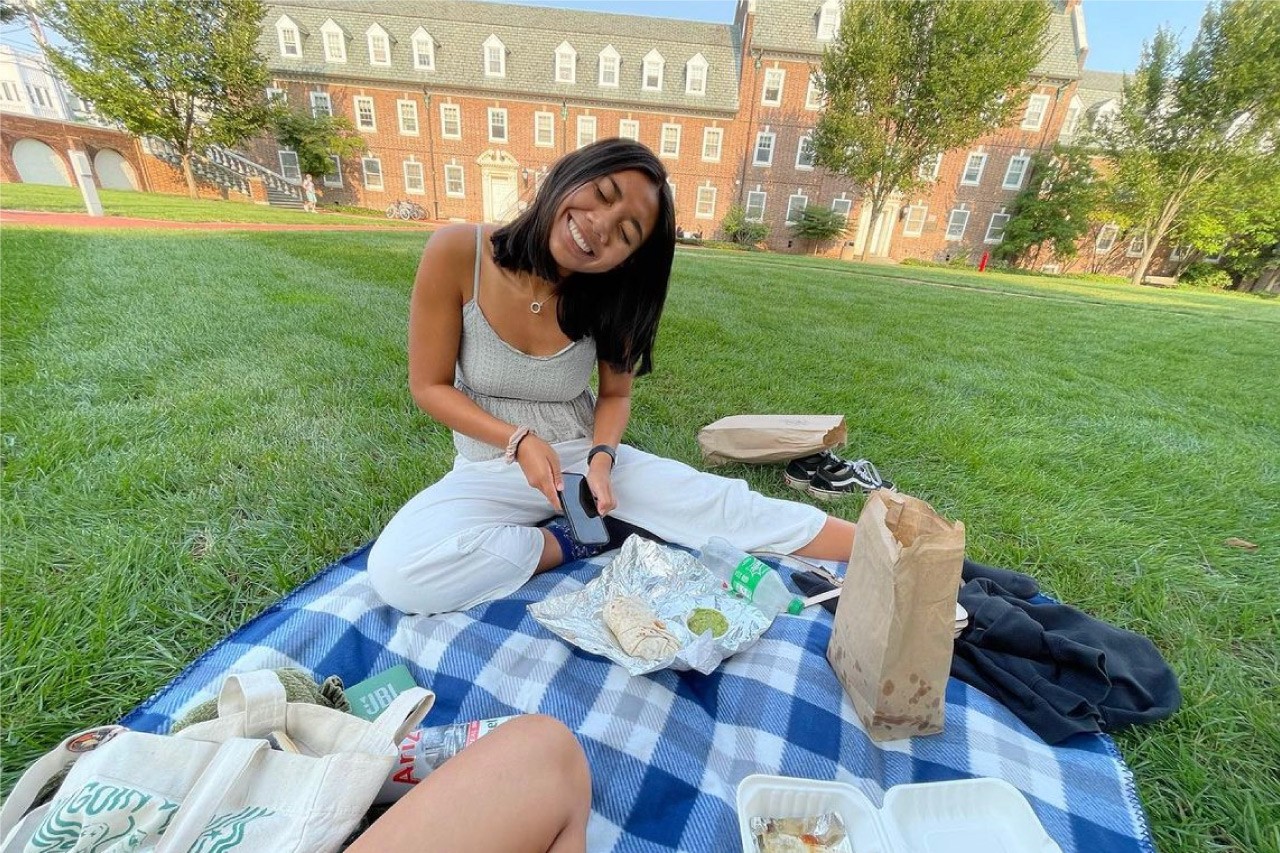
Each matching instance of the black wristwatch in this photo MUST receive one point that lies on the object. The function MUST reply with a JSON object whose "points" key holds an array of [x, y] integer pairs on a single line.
{"points": [[603, 448]]}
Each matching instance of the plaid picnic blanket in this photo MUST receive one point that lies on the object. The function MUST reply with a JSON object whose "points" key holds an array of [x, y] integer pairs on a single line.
{"points": [[667, 750]]}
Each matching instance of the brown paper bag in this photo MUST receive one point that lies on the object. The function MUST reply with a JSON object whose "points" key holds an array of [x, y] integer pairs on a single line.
{"points": [[891, 643], [769, 438]]}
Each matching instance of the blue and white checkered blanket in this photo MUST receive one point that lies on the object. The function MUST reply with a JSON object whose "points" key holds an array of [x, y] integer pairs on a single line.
{"points": [[667, 750]]}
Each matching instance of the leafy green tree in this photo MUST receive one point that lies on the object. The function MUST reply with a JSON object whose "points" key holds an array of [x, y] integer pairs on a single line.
{"points": [[818, 224], [8, 12], [1188, 122], [184, 71], [741, 230], [315, 138], [904, 81], [1053, 209]]}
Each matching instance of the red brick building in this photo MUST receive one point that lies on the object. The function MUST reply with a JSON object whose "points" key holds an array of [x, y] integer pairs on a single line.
{"points": [[464, 104]]}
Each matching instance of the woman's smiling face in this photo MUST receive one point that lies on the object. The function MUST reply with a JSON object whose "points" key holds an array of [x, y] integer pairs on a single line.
{"points": [[599, 224]]}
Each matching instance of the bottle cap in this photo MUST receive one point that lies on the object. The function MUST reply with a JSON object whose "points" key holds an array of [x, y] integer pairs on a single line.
{"points": [[796, 606]]}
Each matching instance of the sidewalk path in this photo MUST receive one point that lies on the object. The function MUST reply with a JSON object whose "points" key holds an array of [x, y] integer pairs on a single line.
{"points": [[83, 220]]}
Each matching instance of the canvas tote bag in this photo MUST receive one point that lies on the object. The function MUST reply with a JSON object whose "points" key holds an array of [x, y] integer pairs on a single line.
{"points": [[218, 785], [892, 639]]}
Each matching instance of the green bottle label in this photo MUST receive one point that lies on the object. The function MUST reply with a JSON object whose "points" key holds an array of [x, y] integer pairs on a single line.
{"points": [[747, 577]]}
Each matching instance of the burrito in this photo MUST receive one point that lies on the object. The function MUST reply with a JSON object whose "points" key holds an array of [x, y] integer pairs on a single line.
{"points": [[638, 629]]}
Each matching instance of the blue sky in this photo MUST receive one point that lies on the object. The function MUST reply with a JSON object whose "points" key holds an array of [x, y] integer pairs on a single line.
{"points": [[1116, 28]]}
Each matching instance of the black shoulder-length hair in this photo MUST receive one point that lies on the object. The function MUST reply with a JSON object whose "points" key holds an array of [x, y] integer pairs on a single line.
{"points": [[619, 308]]}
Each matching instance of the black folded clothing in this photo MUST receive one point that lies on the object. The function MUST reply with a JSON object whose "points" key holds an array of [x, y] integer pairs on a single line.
{"points": [[811, 584]]}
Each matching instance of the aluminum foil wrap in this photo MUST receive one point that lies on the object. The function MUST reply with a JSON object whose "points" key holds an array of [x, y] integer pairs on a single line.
{"points": [[673, 583]]}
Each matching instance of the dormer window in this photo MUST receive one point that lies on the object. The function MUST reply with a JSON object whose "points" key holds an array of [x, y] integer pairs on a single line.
{"points": [[495, 57], [695, 76], [829, 20], [566, 63], [653, 64], [1072, 122], [335, 42], [290, 37], [609, 61], [379, 46], [424, 50]]}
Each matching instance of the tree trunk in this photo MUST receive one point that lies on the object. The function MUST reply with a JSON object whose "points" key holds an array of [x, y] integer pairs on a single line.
{"points": [[192, 190], [877, 207]]}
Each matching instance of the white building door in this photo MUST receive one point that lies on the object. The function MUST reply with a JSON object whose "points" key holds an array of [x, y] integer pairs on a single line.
{"points": [[500, 196], [114, 172], [37, 163]]}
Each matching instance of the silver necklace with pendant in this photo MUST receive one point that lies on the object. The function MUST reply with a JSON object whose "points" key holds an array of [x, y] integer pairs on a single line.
{"points": [[536, 306]]}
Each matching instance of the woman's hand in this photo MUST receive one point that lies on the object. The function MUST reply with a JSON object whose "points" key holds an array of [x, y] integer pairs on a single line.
{"points": [[541, 466], [598, 480]]}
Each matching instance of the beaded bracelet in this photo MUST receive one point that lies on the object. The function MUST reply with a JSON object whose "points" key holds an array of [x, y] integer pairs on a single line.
{"points": [[514, 443]]}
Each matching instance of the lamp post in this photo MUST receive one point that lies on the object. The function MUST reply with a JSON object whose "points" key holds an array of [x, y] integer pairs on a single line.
{"points": [[564, 124], [431, 155], [751, 124]]}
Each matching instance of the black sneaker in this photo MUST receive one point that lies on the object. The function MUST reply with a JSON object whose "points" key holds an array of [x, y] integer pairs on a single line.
{"points": [[800, 472], [859, 476]]}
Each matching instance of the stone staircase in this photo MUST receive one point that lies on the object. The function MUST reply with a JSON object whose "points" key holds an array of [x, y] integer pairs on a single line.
{"points": [[232, 171]]}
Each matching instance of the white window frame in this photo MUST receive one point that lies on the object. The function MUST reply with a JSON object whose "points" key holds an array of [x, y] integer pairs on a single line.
{"points": [[376, 37], [746, 210], [585, 122], [495, 49], [845, 204], [1107, 234], [829, 20], [790, 204], [982, 166], [1025, 161], [991, 226], [1072, 122], [910, 229], [1037, 109], [1141, 240], [653, 65], [566, 61], [663, 138], [325, 98], [631, 124], [712, 137], [813, 95], [1179, 252], [779, 74], [496, 112], [456, 111], [274, 95], [755, 150], [286, 170], [11, 91], [927, 174], [400, 117], [459, 176], [700, 201], [285, 24], [951, 224], [424, 48], [543, 121], [334, 180], [695, 70], [609, 58], [364, 166], [808, 137], [356, 102], [422, 178], [331, 28]]}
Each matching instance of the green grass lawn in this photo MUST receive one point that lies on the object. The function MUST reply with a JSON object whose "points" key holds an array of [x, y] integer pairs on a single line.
{"points": [[194, 423], [173, 207]]}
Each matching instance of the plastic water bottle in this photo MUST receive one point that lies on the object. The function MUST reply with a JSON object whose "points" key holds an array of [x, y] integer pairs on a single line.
{"points": [[425, 749], [749, 578]]}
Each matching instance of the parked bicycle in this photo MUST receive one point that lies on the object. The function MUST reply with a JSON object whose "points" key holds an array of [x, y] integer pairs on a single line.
{"points": [[405, 210]]}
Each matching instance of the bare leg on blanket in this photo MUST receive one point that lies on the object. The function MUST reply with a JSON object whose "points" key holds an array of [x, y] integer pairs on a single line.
{"points": [[524, 788], [833, 542]]}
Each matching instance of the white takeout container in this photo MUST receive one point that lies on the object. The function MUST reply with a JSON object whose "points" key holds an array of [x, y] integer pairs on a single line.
{"points": [[965, 816]]}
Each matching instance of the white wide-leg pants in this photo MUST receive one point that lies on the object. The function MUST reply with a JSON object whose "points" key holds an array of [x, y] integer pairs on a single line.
{"points": [[469, 538]]}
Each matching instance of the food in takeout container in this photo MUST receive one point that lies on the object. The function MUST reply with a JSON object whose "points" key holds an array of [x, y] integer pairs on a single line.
{"points": [[821, 834], [673, 588], [965, 816]]}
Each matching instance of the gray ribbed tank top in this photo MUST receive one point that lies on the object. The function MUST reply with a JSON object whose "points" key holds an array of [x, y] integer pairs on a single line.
{"points": [[550, 394]]}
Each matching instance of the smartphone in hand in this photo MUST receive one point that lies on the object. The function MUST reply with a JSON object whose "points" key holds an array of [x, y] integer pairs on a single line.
{"points": [[585, 522]]}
